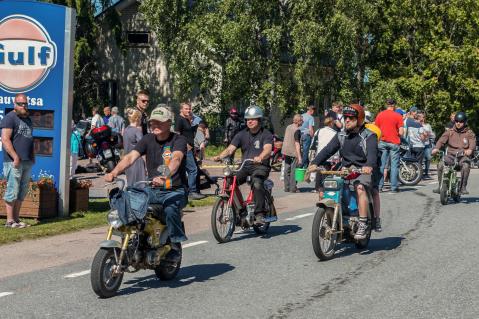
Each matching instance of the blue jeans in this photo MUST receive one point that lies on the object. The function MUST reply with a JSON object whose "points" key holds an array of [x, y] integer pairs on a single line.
{"points": [[173, 201], [305, 144], [192, 171], [389, 150], [427, 158], [17, 180]]}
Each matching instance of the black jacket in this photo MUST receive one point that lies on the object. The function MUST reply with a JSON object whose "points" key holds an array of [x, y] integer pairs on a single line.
{"points": [[351, 152]]}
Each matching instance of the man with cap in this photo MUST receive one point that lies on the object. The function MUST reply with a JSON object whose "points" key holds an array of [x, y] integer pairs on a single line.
{"points": [[162, 147], [391, 125], [415, 134]]}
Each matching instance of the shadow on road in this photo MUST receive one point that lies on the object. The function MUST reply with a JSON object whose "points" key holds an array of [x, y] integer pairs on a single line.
{"points": [[273, 231], [186, 276], [469, 200], [375, 245]]}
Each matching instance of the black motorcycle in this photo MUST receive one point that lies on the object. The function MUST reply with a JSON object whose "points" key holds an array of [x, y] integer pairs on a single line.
{"points": [[104, 145], [410, 169]]}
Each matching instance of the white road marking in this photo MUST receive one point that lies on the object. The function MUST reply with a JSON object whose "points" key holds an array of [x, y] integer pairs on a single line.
{"points": [[196, 243], [299, 216], [78, 274], [431, 183], [187, 279], [4, 294]]}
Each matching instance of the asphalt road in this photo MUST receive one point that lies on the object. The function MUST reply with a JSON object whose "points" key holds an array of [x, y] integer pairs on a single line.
{"points": [[423, 265]]}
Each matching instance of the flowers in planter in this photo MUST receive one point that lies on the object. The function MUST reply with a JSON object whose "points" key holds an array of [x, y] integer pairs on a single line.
{"points": [[76, 183], [44, 180]]}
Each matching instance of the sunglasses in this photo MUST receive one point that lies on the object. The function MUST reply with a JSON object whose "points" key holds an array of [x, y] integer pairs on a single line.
{"points": [[24, 104], [145, 101], [460, 121], [350, 117]]}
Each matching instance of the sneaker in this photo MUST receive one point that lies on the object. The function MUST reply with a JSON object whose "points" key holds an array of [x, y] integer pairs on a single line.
{"points": [[394, 191], [378, 225], [426, 177], [12, 224], [22, 224], [196, 196], [361, 233], [174, 255]]}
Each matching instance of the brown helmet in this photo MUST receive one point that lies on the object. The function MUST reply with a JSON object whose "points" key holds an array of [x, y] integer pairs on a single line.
{"points": [[355, 110]]}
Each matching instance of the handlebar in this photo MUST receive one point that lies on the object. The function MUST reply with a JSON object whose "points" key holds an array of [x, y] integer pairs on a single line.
{"points": [[344, 172]]}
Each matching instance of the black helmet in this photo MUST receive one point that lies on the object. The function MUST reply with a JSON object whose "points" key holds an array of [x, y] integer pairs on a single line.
{"points": [[460, 117]]}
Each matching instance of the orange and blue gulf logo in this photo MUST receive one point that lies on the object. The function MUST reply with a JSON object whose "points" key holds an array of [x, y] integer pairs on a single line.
{"points": [[27, 54]]}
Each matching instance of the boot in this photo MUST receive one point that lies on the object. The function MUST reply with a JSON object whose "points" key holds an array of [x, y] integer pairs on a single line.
{"points": [[464, 177]]}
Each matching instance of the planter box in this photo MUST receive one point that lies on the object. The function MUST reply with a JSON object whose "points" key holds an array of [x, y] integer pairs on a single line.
{"points": [[79, 199], [39, 203]]}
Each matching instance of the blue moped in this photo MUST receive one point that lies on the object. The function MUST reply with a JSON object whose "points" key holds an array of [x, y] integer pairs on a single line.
{"points": [[337, 217]]}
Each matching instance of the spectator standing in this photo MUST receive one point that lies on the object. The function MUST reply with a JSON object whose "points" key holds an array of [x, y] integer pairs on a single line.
{"points": [[232, 127], [18, 158], [415, 134], [185, 127], [107, 114], [451, 123], [307, 133], [75, 142], [116, 122], [292, 153], [202, 137], [132, 134], [142, 103], [321, 138], [336, 114], [428, 144], [391, 125], [96, 120]]}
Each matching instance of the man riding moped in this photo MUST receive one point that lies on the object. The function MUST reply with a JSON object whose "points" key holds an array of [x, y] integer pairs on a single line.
{"points": [[256, 143], [457, 139], [358, 147], [162, 147]]}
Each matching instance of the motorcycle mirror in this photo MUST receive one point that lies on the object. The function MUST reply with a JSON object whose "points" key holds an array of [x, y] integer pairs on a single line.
{"points": [[163, 170]]}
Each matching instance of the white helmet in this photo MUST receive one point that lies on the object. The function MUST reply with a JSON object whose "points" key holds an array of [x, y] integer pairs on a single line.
{"points": [[368, 116], [253, 112]]}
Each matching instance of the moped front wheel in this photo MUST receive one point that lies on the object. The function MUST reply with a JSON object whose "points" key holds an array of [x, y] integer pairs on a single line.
{"points": [[104, 281], [443, 192], [222, 221], [457, 192], [324, 241], [410, 173]]}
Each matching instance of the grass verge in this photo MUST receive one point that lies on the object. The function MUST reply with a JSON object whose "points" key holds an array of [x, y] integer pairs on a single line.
{"points": [[94, 217]]}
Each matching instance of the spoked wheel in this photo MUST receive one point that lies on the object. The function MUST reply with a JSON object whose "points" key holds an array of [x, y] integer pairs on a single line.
{"points": [[103, 280], [168, 270], [443, 192], [324, 242], [410, 173], [276, 162], [222, 221]]}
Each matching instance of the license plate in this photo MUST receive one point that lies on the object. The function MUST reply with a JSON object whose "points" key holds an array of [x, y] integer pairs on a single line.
{"points": [[107, 153]]}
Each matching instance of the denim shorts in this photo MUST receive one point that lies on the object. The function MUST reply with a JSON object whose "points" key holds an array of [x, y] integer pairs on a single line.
{"points": [[17, 180]]}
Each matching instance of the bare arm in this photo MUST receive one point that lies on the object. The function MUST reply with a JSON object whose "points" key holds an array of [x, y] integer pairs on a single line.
{"points": [[126, 162], [311, 130], [175, 162], [266, 153], [401, 131], [7, 143], [297, 148], [228, 151]]}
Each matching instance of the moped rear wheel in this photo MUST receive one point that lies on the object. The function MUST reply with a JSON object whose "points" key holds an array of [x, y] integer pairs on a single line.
{"points": [[443, 192], [222, 221], [324, 243], [103, 280], [261, 229]]}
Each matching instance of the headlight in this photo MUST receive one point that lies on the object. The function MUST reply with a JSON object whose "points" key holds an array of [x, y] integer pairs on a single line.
{"points": [[227, 171], [330, 184], [114, 219]]}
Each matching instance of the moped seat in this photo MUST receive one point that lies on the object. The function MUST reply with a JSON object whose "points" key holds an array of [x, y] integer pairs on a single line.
{"points": [[157, 211]]}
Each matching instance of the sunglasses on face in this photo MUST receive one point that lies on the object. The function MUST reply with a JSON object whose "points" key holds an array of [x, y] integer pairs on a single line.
{"points": [[145, 101], [24, 104], [460, 121], [350, 117]]}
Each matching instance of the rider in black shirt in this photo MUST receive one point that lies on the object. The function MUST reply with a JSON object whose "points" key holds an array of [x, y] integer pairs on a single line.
{"points": [[256, 143], [359, 149]]}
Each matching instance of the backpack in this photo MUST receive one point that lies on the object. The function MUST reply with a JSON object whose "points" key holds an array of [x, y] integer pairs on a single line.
{"points": [[364, 134]]}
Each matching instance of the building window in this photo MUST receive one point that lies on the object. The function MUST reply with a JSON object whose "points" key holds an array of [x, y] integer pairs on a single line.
{"points": [[138, 39]]}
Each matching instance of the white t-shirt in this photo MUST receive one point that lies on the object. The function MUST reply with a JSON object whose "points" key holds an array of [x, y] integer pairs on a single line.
{"points": [[97, 121]]}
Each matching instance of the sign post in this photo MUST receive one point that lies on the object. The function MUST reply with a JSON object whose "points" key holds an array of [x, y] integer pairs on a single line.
{"points": [[36, 58]]}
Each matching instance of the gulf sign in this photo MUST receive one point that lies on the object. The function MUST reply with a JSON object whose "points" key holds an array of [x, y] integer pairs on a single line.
{"points": [[27, 54]]}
